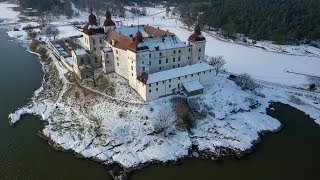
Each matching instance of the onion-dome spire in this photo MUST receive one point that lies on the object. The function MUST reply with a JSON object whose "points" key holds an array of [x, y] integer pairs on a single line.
{"points": [[92, 18]]}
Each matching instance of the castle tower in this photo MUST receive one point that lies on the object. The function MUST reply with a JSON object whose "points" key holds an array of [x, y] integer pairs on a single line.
{"points": [[108, 23], [135, 69], [198, 45], [93, 37]]}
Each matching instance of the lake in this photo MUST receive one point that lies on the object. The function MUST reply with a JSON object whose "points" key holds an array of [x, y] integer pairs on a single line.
{"points": [[293, 153]]}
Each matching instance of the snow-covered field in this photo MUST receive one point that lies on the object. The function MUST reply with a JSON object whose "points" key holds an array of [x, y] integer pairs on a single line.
{"points": [[105, 124]]}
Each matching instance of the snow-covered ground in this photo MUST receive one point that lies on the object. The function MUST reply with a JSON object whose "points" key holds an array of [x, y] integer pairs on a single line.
{"points": [[105, 124]]}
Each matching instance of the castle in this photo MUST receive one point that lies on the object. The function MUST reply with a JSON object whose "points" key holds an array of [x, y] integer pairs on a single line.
{"points": [[155, 62]]}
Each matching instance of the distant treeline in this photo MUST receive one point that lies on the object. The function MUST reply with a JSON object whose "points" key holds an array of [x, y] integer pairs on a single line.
{"points": [[282, 21]]}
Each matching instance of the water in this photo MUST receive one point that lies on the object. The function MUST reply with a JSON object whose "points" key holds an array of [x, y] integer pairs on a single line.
{"points": [[23, 154], [294, 153]]}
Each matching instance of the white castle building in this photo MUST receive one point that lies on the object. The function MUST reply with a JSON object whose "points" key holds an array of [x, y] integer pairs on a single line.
{"points": [[155, 62]]}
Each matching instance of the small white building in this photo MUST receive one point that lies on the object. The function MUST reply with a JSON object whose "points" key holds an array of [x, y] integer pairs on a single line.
{"points": [[155, 62]]}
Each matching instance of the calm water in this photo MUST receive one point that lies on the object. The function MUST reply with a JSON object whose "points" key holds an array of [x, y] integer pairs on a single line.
{"points": [[23, 154], [294, 153]]}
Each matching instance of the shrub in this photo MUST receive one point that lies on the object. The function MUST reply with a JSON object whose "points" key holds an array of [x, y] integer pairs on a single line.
{"points": [[245, 82], [312, 87]]}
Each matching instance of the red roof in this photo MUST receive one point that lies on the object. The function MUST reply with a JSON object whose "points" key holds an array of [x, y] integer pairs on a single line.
{"points": [[121, 41], [92, 22], [152, 31], [143, 78], [196, 35], [108, 21], [134, 45]]}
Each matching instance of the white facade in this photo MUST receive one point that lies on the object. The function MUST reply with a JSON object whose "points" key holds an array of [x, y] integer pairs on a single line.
{"points": [[155, 62]]}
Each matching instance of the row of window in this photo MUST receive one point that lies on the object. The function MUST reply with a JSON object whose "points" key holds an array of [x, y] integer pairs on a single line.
{"points": [[191, 75], [174, 52]]}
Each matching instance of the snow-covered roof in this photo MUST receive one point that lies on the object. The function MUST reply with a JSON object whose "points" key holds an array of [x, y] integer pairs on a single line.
{"points": [[193, 86], [106, 49], [164, 42], [178, 72], [131, 30], [80, 52]]}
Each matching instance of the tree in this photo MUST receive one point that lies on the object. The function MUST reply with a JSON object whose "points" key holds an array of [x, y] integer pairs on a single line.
{"points": [[217, 62], [90, 68], [52, 31], [245, 82]]}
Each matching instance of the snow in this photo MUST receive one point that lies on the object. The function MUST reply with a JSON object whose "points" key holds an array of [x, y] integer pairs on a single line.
{"points": [[112, 125], [178, 72], [193, 86], [80, 52], [66, 31], [259, 63], [6, 12]]}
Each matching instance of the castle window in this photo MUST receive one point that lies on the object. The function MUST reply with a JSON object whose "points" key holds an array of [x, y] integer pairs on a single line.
{"points": [[159, 61], [142, 62], [188, 57], [100, 41], [149, 85], [108, 62], [174, 52], [210, 71], [189, 49], [159, 68], [162, 82], [132, 68], [143, 68], [178, 78], [169, 86], [117, 58], [204, 72], [131, 74], [116, 51], [198, 74], [149, 63], [191, 75], [81, 60], [179, 58], [178, 65], [150, 91], [200, 50], [169, 80], [178, 85], [198, 58], [173, 66], [94, 49], [95, 60], [107, 55], [179, 51], [157, 83], [186, 76], [117, 64], [160, 54], [174, 59], [166, 60], [149, 55], [94, 41], [156, 89]]}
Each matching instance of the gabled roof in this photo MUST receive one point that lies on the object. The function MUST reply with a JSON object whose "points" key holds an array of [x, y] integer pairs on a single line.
{"points": [[120, 41], [152, 31]]}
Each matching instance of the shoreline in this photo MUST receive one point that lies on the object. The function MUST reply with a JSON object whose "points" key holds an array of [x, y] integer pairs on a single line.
{"points": [[225, 153]]}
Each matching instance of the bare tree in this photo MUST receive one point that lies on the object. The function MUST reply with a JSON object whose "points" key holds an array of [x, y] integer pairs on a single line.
{"points": [[52, 31], [217, 62], [245, 82], [90, 68], [164, 122]]}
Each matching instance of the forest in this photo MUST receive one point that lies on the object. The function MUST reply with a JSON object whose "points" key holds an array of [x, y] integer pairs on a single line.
{"points": [[281, 21]]}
